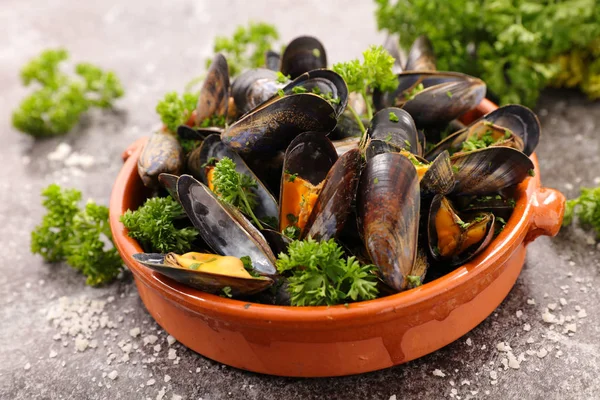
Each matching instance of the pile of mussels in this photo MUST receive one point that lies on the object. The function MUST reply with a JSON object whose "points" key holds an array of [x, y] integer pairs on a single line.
{"points": [[391, 200]]}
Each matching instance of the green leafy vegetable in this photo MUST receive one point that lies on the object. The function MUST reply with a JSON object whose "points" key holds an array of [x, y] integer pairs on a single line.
{"points": [[57, 105], [247, 47], [587, 209], [478, 142], [175, 110], [292, 231], [320, 275], [81, 237], [393, 118], [153, 226], [235, 188], [281, 78], [374, 72], [516, 47], [227, 291]]}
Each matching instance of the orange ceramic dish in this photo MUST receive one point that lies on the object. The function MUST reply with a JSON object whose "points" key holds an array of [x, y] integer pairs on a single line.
{"points": [[338, 340]]}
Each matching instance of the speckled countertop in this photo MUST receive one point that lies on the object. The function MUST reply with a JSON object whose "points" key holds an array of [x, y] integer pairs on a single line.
{"points": [[157, 47]]}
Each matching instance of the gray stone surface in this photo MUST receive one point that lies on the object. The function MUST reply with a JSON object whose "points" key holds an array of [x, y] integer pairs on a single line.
{"points": [[157, 47]]}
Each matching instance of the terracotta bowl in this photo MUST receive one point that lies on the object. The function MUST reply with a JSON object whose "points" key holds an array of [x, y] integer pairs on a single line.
{"points": [[339, 340]]}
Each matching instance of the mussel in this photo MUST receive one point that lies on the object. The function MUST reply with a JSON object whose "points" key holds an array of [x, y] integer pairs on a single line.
{"points": [[274, 124], [223, 227], [323, 82], [388, 204], [254, 87], [301, 55], [210, 273], [421, 56], [454, 239], [161, 154], [433, 98], [200, 164], [395, 127], [510, 126], [214, 95]]}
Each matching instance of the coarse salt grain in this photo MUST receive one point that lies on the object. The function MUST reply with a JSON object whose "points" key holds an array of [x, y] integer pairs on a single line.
{"points": [[530, 340], [113, 375], [469, 342], [61, 152], [552, 306], [503, 346], [53, 354], [167, 378], [135, 332], [171, 340], [542, 353], [519, 313], [493, 375], [531, 301], [150, 382], [548, 317], [150, 339], [27, 367], [526, 327], [81, 344], [438, 372], [582, 313], [161, 393], [172, 354], [570, 328]]}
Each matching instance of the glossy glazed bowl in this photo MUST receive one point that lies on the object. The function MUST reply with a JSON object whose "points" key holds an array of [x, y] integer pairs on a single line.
{"points": [[338, 340]]}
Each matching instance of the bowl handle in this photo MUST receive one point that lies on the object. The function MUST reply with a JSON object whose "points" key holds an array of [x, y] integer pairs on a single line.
{"points": [[133, 147], [548, 211]]}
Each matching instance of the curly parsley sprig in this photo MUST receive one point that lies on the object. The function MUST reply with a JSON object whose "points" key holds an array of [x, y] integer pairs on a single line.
{"points": [[153, 226], [57, 105], [587, 209], [235, 188], [81, 237], [321, 275], [374, 72]]}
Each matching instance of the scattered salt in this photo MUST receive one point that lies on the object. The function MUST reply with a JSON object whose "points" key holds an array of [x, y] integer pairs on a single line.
{"points": [[53, 354], [493, 375], [167, 378], [570, 328], [161, 393], [530, 340], [437, 372], [526, 327], [465, 382], [552, 306], [582, 314], [150, 382], [171, 340], [503, 346], [542, 353], [548, 317], [150, 339], [393, 397], [61, 152], [81, 344], [469, 342], [27, 367], [135, 332], [519, 313], [563, 301], [172, 354], [531, 301], [113, 375]]}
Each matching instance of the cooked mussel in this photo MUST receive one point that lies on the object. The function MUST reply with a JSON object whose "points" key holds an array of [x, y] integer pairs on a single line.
{"points": [[274, 124], [510, 126], [489, 170], [392, 46], [272, 60], [161, 154], [307, 162], [322, 82], [388, 203], [254, 87], [433, 98], [454, 239], [421, 56], [200, 164], [223, 227], [214, 95], [209, 273], [397, 128], [301, 55]]}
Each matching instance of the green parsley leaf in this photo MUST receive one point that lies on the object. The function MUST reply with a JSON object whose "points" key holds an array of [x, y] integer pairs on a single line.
{"points": [[153, 226], [393, 117], [531, 172], [281, 78], [319, 275], [292, 231], [586, 208], [227, 292], [175, 110]]}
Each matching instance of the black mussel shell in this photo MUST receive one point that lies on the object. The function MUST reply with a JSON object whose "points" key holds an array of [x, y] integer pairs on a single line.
{"points": [[388, 203], [204, 281], [214, 95], [421, 56], [252, 88], [301, 55], [169, 182], [186, 132], [161, 154], [272, 60], [392, 46], [489, 170], [439, 178], [396, 127], [322, 81], [223, 227], [213, 148], [334, 202], [278, 241], [273, 125]]}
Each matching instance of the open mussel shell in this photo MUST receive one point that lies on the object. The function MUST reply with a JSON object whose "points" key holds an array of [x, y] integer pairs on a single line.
{"points": [[301, 55], [223, 227], [322, 81], [445, 96], [489, 170], [334, 202], [458, 245], [204, 281], [214, 95], [213, 148], [169, 182], [275, 123], [310, 156], [161, 154], [388, 203], [398, 130], [186, 132], [501, 205], [253, 87], [439, 177], [392, 46], [421, 56], [272, 60], [522, 124]]}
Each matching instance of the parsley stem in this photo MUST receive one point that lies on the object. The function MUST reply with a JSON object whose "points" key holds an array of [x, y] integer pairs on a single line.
{"points": [[367, 100], [249, 210], [357, 118]]}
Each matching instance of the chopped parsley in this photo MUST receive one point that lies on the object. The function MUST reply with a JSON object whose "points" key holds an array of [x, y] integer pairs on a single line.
{"points": [[281, 78], [411, 93], [299, 89], [393, 117]]}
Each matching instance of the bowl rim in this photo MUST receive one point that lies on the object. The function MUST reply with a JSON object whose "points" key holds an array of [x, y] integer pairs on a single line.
{"points": [[501, 247]]}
